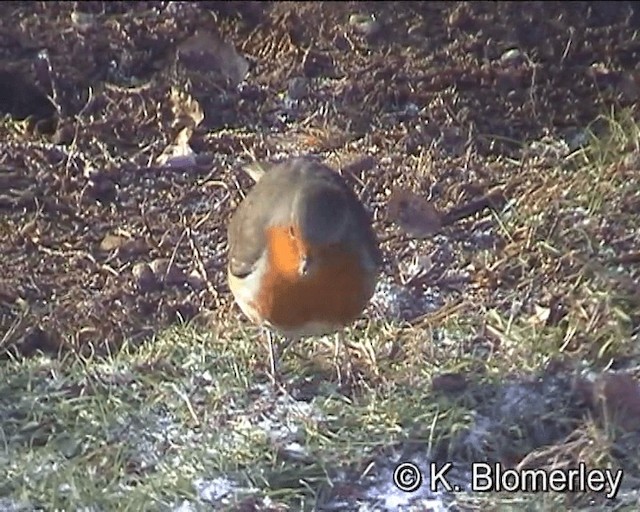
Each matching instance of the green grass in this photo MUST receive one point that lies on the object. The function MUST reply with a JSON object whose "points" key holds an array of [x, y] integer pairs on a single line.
{"points": [[139, 430], [140, 427]]}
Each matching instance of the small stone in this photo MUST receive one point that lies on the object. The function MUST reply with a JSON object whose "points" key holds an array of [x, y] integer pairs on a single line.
{"points": [[171, 275], [298, 88], [145, 278], [449, 383], [365, 24], [195, 280], [512, 57]]}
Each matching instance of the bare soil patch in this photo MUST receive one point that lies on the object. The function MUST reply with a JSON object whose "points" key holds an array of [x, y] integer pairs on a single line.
{"points": [[99, 243]]}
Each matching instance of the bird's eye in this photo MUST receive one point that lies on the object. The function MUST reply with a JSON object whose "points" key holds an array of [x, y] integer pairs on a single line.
{"points": [[292, 232]]}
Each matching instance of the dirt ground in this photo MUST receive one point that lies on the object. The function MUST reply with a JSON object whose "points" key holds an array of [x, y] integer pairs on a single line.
{"points": [[99, 242]]}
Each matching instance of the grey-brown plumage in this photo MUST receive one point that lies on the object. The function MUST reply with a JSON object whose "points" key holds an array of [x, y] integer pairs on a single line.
{"points": [[299, 189]]}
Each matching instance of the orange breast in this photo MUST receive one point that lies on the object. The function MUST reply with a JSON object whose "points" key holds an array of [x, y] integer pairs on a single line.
{"points": [[336, 292]]}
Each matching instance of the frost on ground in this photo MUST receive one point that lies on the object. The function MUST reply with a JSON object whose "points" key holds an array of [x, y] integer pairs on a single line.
{"points": [[384, 495], [371, 494], [158, 440], [9, 505], [394, 301]]}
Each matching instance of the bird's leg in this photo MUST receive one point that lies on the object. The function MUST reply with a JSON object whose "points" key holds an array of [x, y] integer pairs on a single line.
{"points": [[336, 357], [276, 353], [272, 354], [341, 341]]}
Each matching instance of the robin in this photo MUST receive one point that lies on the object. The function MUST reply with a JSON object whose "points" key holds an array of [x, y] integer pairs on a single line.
{"points": [[303, 258]]}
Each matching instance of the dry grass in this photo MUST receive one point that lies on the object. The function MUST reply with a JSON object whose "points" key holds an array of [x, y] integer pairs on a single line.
{"points": [[153, 426], [486, 353]]}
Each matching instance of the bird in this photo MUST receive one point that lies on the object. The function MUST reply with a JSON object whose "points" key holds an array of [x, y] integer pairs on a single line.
{"points": [[303, 258]]}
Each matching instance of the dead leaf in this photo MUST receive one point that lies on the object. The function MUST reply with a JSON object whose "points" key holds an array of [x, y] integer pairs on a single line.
{"points": [[616, 397], [82, 21], [541, 315], [206, 51], [414, 214], [179, 154], [111, 242], [256, 170], [416, 267], [493, 199], [185, 108]]}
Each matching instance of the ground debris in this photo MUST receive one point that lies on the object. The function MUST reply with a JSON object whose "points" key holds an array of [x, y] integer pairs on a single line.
{"points": [[423, 98]]}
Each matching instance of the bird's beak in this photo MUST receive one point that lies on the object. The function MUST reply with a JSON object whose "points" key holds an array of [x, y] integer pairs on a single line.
{"points": [[306, 265]]}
